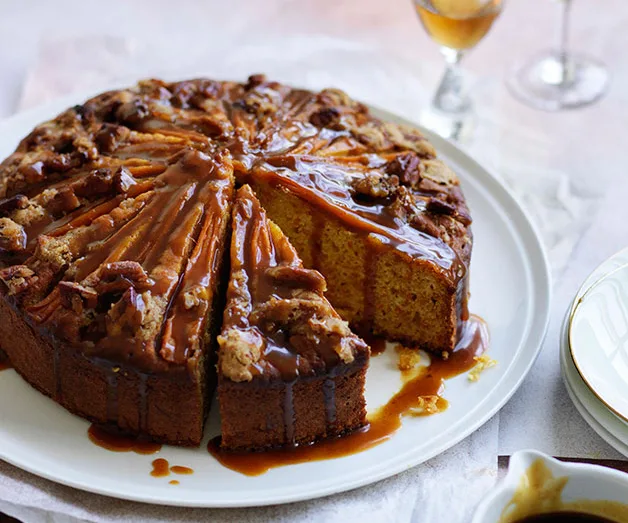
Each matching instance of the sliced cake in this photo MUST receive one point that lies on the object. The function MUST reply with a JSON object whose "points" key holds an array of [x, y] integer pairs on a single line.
{"points": [[290, 371], [113, 222]]}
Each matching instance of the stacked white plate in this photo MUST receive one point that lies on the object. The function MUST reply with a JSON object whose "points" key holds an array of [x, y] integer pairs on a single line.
{"points": [[594, 351]]}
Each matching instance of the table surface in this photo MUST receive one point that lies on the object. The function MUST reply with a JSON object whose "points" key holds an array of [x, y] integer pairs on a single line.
{"points": [[563, 166]]}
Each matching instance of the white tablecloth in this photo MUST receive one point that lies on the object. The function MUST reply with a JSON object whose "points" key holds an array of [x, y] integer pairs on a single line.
{"points": [[568, 168]]}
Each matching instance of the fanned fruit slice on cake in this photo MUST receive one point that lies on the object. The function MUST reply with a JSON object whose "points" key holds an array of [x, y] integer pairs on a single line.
{"points": [[289, 369]]}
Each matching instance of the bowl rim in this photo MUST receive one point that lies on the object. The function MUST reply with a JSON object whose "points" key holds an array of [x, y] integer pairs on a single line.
{"points": [[522, 459]]}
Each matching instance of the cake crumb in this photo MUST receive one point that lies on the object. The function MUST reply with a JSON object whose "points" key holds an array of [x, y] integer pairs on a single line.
{"points": [[482, 363], [426, 405], [408, 358]]}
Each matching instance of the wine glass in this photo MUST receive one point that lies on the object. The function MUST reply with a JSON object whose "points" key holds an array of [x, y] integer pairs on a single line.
{"points": [[559, 79], [457, 26]]}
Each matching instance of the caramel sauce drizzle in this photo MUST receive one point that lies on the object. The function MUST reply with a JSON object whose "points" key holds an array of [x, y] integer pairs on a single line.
{"points": [[120, 443], [377, 344], [325, 185], [382, 423], [162, 468], [178, 469]]}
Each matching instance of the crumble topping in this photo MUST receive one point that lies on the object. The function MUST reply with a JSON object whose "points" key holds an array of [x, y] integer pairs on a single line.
{"points": [[484, 362]]}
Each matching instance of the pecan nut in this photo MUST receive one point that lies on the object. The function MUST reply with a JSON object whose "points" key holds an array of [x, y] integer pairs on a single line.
{"points": [[109, 137], [64, 201], [19, 201], [374, 186], [127, 315], [132, 113], [437, 206], [255, 80], [12, 236], [97, 182], [17, 278], [123, 180], [77, 297], [120, 276], [297, 277], [407, 167], [326, 117]]}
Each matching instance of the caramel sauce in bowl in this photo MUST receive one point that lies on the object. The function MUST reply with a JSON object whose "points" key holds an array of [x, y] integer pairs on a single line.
{"points": [[539, 488]]}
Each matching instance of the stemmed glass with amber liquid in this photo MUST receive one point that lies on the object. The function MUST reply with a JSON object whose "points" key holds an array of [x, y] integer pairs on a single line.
{"points": [[457, 26]]}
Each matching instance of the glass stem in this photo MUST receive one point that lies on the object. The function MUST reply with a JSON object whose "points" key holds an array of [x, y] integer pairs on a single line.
{"points": [[566, 65], [450, 96]]}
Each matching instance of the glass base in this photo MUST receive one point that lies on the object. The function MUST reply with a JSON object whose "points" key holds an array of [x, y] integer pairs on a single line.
{"points": [[544, 83], [453, 126]]}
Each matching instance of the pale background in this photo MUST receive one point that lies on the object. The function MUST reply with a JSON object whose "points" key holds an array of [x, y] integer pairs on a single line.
{"points": [[569, 169]]}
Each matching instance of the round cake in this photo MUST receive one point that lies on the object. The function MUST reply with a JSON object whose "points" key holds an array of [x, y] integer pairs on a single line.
{"points": [[116, 252]]}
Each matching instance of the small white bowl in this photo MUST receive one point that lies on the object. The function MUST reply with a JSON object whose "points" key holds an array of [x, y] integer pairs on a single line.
{"points": [[585, 482]]}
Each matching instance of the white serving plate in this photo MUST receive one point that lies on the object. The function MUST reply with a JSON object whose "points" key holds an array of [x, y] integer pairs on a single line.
{"points": [[510, 288]]}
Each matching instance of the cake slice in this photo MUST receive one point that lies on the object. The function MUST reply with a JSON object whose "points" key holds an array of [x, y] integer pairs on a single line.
{"points": [[369, 205], [289, 369], [379, 244]]}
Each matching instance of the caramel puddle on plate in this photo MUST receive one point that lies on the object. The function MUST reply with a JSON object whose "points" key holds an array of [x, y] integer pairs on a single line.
{"points": [[5, 365], [119, 443], [539, 492], [177, 469], [162, 468], [384, 422]]}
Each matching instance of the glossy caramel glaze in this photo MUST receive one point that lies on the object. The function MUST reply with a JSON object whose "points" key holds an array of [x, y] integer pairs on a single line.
{"points": [[376, 343], [136, 176], [331, 185], [121, 443], [276, 308], [384, 422]]}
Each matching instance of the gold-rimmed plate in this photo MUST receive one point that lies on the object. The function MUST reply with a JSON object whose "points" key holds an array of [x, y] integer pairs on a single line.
{"points": [[598, 334], [606, 424]]}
